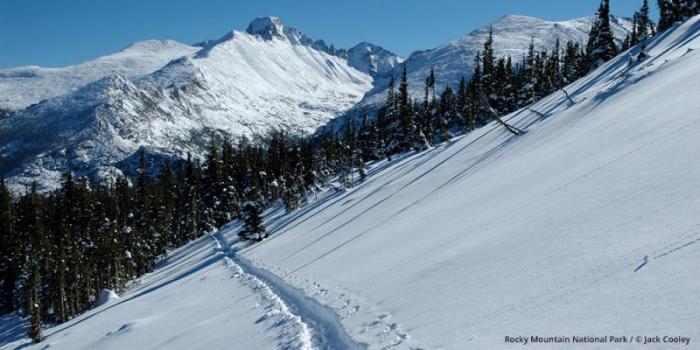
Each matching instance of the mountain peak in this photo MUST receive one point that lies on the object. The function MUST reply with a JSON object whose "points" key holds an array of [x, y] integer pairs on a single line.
{"points": [[267, 27]]}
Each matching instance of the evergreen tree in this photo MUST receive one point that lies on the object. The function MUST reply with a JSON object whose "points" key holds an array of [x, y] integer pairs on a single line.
{"points": [[143, 246], [667, 15], [601, 42], [462, 103], [528, 89], [430, 86], [510, 89], [214, 215], [446, 110], [687, 9], [31, 223], [474, 112], [229, 200], [252, 217], [488, 70], [405, 112], [166, 197], [552, 72], [9, 250], [389, 119], [190, 205], [410, 136], [570, 65], [644, 27]]}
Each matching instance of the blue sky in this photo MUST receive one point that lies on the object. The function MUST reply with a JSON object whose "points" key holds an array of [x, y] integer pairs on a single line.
{"points": [[62, 32]]}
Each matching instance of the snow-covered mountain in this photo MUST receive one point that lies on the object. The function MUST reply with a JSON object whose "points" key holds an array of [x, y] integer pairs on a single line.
{"points": [[23, 86], [586, 225], [244, 84], [372, 59], [241, 85], [511, 34]]}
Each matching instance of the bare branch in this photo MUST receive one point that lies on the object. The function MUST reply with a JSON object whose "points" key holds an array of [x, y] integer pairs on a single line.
{"points": [[515, 131]]}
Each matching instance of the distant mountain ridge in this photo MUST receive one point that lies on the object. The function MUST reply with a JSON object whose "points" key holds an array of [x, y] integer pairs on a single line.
{"points": [[23, 86], [242, 85]]}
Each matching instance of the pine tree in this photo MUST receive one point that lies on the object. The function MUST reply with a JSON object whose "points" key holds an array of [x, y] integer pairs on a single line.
{"points": [[570, 68], [214, 215], [405, 112], [370, 140], [667, 15], [528, 89], [429, 86], [252, 216], [644, 27], [9, 250], [601, 42], [410, 136], [474, 112], [190, 204], [229, 207], [687, 9], [462, 102], [510, 89], [166, 198], [31, 223], [143, 248], [552, 72], [488, 72], [389, 119], [446, 108]]}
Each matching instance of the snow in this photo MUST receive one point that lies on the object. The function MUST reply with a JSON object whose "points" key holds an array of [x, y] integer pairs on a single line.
{"points": [[106, 296], [194, 300], [319, 326], [23, 86], [486, 236]]}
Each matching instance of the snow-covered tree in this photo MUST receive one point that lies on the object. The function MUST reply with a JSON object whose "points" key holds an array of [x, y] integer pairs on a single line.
{"points": [[252, 216]]}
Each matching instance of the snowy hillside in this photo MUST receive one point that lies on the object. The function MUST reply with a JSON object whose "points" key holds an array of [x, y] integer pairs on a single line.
{"points": [[244, 84], [23, 86], [511, 35], [584, 226]]}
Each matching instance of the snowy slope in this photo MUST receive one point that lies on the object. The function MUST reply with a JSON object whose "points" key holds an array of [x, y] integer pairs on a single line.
{"points": [[586, 225], [511, 35], [23, 86], [242, 85], [197, 299], [544, 234]]}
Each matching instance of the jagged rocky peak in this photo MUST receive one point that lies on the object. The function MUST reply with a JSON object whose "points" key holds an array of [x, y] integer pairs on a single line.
{"points": [[372, 59], [266, 27], [271, 27]]}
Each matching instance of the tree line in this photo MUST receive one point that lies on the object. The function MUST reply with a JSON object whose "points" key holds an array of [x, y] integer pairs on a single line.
{"points": [[59, 249]]}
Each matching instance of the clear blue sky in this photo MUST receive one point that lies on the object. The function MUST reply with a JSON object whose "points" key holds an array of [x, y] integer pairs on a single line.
{"points": [[62, 32]]}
